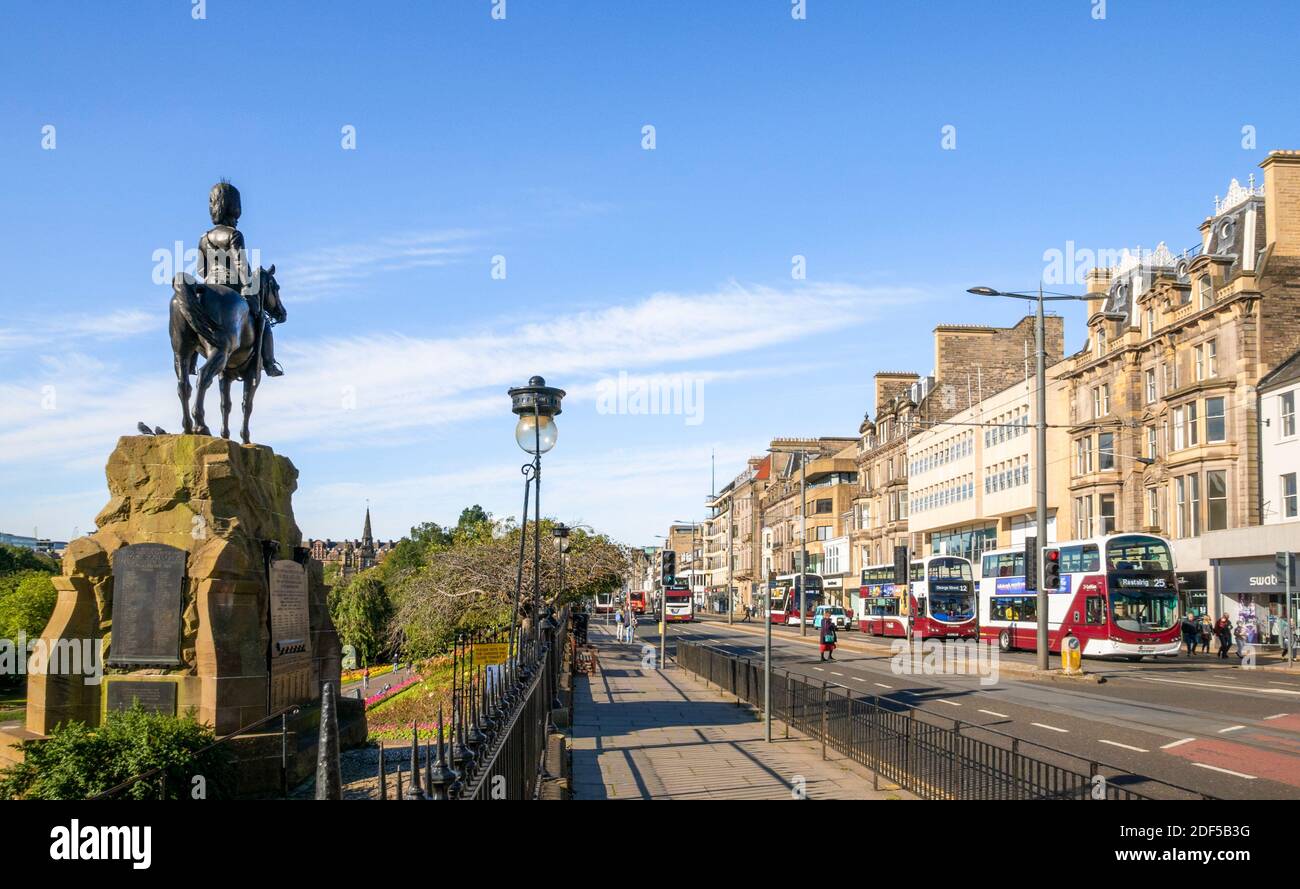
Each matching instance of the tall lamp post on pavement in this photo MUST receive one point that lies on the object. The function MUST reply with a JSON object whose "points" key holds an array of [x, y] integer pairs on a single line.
{"points": [[1040, 297], [537, 405]]}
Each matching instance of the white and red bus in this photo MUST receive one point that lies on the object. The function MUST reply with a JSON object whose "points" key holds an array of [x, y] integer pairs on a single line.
{"points": [[784, 595], [604, 603], [1118, 597], [636, 601], [679, 604], [940, 603]]}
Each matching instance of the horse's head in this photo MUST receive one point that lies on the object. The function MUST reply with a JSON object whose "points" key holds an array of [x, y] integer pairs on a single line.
{"points": [[269, 291]]}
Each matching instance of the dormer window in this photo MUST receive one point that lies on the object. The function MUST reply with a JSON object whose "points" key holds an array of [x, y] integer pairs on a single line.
{"points": [[1101, 339], [1204, 291]]}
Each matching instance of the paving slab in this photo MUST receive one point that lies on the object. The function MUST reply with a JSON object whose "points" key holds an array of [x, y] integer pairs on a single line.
{"points": [[640, 733]]}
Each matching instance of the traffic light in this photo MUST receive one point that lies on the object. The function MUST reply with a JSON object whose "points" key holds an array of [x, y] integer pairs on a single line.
{"points": [[669, 569], [1031, 563], [900, 566], [1051, 569]]}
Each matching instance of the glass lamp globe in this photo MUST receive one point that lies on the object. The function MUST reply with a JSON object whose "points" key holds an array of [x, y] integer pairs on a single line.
{"points": [[527, 433]]}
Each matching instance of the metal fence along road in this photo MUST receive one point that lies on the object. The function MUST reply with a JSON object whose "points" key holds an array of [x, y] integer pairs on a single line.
{"points": [[927, 754]]}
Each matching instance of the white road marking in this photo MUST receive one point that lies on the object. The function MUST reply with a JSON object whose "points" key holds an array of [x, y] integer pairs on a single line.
{"points": [[1275, 682], [1266, 691], [1176, 743], [1202, 765], [1124, 746], [857, 679], [995, 713], [945, 701], [1064, 731], [1231, 728], [1277, 715], [819, 669], [833, 673], [882, 685]]}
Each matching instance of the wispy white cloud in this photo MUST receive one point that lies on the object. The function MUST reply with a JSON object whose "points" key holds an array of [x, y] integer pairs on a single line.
{"points": [[363, 394], [111, 324], [329, 269]]}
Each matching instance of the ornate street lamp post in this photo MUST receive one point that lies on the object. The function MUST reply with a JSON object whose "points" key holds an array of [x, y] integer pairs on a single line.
{"points": [[537, 405]]}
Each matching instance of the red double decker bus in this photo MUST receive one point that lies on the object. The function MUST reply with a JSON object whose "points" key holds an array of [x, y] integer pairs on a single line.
{"points": [[679, 604], [1118, 597], [939, 604], [784, 595]]}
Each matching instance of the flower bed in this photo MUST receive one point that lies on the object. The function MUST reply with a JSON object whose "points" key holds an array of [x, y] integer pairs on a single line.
{"points": [[397, 689], [417, 701], [356, 675]]}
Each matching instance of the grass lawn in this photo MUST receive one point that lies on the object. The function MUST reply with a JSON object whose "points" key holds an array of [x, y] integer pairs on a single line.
{"points": [[391, 720], [13, 703]]}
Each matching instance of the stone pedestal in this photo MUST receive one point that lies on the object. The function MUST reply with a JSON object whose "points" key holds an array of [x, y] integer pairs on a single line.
{"points": [[221, 503]]}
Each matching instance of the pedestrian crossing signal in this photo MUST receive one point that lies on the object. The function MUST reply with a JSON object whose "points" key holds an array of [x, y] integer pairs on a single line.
{"points": [[1052, 569]]}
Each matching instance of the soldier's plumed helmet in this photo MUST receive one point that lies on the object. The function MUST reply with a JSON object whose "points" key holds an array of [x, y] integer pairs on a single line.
{"points": [[223, 204]]}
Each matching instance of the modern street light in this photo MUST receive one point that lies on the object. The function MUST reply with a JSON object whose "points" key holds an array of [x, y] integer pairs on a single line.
{"points": [[1040, 297], [537, 405]]}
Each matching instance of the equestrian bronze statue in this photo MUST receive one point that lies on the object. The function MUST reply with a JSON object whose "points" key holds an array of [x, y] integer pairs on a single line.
{"points": [[227, 316]]}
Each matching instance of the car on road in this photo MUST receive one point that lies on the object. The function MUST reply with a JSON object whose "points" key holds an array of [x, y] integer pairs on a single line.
{"points": [[834, 613]]}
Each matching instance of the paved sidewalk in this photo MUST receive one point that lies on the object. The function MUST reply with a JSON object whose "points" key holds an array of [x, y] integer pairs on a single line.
{"points": [[642, 734]]}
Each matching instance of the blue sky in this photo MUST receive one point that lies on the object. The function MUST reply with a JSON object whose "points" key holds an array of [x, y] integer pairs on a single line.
{"points": [[522, 138]]}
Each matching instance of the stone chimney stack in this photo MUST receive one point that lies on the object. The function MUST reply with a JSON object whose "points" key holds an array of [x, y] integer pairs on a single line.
{"points": [[1098, 281], [1282, 201]]}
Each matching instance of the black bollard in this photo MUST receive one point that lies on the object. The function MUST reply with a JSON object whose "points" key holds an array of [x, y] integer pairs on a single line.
{"points": [[328, 780], [383, 774]]}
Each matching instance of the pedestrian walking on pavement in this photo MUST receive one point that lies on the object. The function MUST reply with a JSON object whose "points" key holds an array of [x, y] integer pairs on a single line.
{"points": [[618, 625], [1239, 634], [828, 639], [1223, 630], [1207, 630], [631, 626], [1191, 634]]}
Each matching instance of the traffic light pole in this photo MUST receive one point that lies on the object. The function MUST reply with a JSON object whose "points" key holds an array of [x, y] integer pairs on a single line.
{"points": [[1041, 468], [803, 544]]}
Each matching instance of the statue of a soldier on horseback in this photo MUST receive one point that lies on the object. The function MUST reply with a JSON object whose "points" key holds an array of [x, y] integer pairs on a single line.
{"points": [[227, 316]]}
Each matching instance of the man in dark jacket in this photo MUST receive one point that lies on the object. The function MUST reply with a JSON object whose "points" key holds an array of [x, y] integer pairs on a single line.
{"points": [[1191, 635]]}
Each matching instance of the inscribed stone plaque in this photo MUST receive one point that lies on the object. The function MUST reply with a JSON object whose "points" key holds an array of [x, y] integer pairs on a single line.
{"points": [[156, 697], [148, 583], [290, 635], [290, 625]]}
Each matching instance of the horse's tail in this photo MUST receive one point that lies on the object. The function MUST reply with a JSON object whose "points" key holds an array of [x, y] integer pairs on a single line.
{"points": [[191, 308]]}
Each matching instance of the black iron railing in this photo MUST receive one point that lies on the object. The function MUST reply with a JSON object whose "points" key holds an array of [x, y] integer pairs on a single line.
{"points": [[512, 760], [930, 755]]}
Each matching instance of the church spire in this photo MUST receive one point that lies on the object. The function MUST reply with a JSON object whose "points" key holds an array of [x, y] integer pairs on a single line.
{"points": [[366, 536]]}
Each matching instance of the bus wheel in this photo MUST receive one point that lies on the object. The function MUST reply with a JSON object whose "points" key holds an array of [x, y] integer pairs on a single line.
{"points": [[1004, 640]]}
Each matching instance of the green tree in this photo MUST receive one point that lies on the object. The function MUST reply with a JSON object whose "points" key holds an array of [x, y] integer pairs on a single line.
{"points": [[18, 558], [361, 611], [471, 583], [26, 603], [410, 552]]}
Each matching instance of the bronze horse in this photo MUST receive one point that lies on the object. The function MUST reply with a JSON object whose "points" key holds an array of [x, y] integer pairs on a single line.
{"points": [[219, 322]]}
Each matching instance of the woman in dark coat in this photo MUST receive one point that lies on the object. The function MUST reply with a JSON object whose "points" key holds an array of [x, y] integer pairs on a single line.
{"points": [[828, 638], [1223, 629]]}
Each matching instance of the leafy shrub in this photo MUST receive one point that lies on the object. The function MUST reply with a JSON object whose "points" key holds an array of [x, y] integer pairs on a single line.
{"points": [[77, 761]]}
